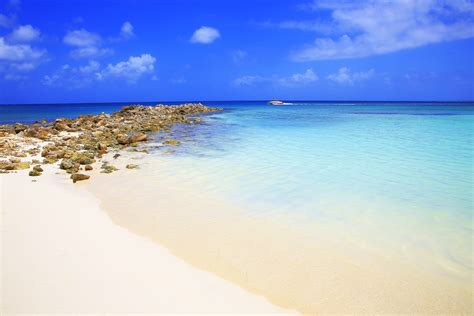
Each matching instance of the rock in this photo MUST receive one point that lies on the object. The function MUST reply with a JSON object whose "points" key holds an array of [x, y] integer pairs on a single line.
{"points": [[80, 140], [83, 158], [66, 164], [106, 168], [172, 142], [102, 147], [34, 173], [116, 156], [22, 165], [38, 168], [50, 160], [122, 139], [88, 168], [139, 137], [20, 127], [131, 166], [23, 155], [79, 177], [43, 134], [15, 160]]}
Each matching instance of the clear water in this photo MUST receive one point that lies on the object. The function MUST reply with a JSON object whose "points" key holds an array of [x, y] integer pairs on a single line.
{"points": [[394, 176], [387, 180]]}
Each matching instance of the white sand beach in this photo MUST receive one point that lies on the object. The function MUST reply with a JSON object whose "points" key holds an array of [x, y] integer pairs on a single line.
{"points": [[62, 254]]}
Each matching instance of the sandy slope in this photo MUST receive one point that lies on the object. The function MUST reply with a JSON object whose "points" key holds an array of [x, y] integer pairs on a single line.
{"points": [[62, 254]]}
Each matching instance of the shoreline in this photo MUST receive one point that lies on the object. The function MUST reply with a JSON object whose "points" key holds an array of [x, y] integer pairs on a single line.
{"points": [[289, 266], [270, 256], [61, 254]]}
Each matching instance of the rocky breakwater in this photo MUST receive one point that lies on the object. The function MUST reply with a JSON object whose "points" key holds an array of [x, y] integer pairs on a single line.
{"points": [[76, 144]]}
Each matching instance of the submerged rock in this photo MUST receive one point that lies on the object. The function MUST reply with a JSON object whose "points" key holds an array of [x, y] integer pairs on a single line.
{"points": [[172, 142]]}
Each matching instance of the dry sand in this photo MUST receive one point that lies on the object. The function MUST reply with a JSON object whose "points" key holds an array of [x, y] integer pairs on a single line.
{"points": [[62, 254]]}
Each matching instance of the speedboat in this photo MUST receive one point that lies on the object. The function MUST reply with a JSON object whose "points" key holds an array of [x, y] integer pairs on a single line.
{"points": [[276, 102]]}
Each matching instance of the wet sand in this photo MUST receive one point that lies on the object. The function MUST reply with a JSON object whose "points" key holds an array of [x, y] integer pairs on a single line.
{"points": [[301, 267]]}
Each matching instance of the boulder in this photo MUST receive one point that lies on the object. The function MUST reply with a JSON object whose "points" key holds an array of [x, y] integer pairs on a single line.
{"points": [[139, 137], [38, 168], [20, 127], [79, 177], [34, 173], [66, 164], [122, 139], [102, 147]]}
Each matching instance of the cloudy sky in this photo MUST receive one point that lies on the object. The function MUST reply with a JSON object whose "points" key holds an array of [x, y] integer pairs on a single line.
{"points": [[130, 50]]}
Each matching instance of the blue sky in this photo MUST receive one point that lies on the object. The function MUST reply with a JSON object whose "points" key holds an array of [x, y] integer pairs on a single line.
{"points": [[130, 50]]}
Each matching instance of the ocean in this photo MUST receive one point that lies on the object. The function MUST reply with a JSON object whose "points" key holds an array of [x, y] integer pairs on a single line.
{"points": [[380, 182]]}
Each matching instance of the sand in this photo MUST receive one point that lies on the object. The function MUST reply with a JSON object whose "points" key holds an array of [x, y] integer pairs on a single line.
{"points": [[299, 265], [61, 253]]}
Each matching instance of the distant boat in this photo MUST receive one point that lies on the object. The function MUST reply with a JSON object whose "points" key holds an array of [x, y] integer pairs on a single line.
{"points": [[276, 102]]}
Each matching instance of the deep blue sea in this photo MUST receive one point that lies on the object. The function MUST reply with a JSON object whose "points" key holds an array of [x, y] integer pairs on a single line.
{"points": [[389, 178]]}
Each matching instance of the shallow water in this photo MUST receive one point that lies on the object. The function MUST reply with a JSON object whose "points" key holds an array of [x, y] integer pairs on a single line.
{"points": [[319, 207], [401, 172]]}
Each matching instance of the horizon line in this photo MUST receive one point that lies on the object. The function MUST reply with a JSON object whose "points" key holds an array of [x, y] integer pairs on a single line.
{"points": [[255, 100]]}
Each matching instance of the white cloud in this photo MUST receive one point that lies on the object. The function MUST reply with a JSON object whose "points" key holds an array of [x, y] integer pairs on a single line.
{"points": [[76, 77], [19, 52], [24, 34], [205, 35], [131, 69], [88, 44], [239, 55], [82, 38], [126, 31], [90, 52], [379, 27], [50, 80], [308, 76], [345, 76], [18, 59], [91, 67]]}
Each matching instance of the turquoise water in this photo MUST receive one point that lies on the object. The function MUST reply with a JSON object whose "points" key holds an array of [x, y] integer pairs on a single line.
{"points": [[397, 177], [321, 207], [392, 176], [400, 171]]}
